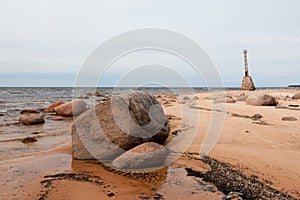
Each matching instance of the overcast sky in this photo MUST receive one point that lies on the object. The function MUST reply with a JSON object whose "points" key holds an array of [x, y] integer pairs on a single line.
{"points": [[45, 42]]}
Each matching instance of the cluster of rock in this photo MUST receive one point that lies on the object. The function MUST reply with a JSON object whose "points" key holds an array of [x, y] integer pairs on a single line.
{"points": [[62, 109], [127, 131], [254, 99]]}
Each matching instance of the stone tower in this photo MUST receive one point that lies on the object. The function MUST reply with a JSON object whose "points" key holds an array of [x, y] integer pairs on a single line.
{"points": [[247, 83]]}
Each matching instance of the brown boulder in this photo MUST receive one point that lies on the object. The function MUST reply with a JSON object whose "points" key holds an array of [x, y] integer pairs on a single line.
{"points": [[71, 108], [261, 100], [52, 106], [117, 125], [31, 118], [145, 156], [296, 96]]}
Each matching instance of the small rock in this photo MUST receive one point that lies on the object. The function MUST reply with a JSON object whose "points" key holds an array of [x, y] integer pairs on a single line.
{"points": [[175, 132], [157, 196], [195, 98], [144, 197], [98, 94], [289, 119], [52, 106], [227, 99], [83, 96], [102, 99], [207, 98], [31, 118], [28, 111], [111, 194], [242, 98], [234, 196], [186, 98], [1, 114], [147, 155], [167, 102], [256, 117], [55, 118], [71, 108], [29, 140]]}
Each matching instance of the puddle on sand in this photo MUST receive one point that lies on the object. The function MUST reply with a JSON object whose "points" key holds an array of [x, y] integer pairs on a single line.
{"points": [[180, 186]]}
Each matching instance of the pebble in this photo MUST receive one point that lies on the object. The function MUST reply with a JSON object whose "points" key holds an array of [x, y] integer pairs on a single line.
{"points": [[29, 140], [289, 119]]}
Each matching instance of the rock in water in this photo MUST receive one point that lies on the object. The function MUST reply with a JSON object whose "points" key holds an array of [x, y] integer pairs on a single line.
{"points": [[52, 106], [31, 118], [145, 156], [55, 118], [117, 125], [296, 96], [247, 83], [71, 108], [261, 100]]}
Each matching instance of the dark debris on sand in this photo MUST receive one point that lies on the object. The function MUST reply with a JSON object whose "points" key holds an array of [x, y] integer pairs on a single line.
{"points": [[227, 180], [29, 140]]}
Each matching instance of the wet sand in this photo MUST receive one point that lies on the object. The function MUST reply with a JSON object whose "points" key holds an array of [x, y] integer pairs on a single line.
{"points": [[266, 150]]}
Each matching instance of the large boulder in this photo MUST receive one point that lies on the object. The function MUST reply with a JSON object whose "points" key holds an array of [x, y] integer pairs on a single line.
{"points": [[52, 106], [261, 100], [296, 96], [31, 118], [117, 125], [71, 108], [145, 156]]}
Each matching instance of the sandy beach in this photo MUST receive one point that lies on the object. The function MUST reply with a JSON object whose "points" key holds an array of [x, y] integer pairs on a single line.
{"points": [[265, 150]]}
